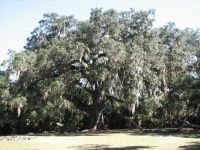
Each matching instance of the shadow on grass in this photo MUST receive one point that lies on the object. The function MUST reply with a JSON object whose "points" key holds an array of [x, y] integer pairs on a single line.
{"points": [[87, 133], [189, 134], [166, 132], [134, 132], [106, 147], [192, 146]]}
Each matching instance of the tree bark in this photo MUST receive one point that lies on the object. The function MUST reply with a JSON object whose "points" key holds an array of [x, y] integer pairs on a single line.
{"points": [[133, 122], [186, 124], [96, 113], [78, 103], [96, 120], [95, 110]]}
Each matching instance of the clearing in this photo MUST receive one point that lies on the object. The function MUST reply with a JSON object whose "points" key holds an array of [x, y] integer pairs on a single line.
{"points": [[107, 139]]}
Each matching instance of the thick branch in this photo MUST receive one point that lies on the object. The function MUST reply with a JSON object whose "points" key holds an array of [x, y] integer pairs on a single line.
{"points": [[187, 124], [102, 55], [101, 104], [133, 122], [78, 103], [114, 99]]}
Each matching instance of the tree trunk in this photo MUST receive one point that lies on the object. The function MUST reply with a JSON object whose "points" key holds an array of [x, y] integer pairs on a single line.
{"points": [[96, 119], [96, 113], [95, 110]]}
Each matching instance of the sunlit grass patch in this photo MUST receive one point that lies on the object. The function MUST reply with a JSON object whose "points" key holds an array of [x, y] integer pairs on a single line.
{"points": [[115, 140]]}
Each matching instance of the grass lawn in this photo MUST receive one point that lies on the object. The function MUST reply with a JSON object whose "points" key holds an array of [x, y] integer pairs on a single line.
{"points": [[114, 139]]}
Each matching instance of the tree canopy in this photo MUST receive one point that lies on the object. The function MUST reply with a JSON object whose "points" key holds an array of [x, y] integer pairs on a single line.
{"points": [[112, 59]]}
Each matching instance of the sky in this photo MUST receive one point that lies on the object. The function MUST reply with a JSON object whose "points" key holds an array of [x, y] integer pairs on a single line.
{"points": [[19, 17]]}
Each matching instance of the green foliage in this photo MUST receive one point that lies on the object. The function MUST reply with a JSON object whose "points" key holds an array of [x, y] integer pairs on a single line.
{"points": [[18, 100], [114, 57]]}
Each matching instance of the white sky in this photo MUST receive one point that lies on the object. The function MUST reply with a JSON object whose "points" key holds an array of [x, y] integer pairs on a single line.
{"points": [[19, 17]]}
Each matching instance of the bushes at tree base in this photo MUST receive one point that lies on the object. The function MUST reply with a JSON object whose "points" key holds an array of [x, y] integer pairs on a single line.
{"points": [[69, 128], [112, 121]]}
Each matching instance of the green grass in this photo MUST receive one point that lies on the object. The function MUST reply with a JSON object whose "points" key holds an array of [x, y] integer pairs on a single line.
{"points": [[118, 139]]}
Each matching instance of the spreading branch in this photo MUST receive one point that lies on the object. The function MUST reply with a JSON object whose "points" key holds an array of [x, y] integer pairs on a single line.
{"points": [[114, 99], [78, 103], [186, 124]]}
